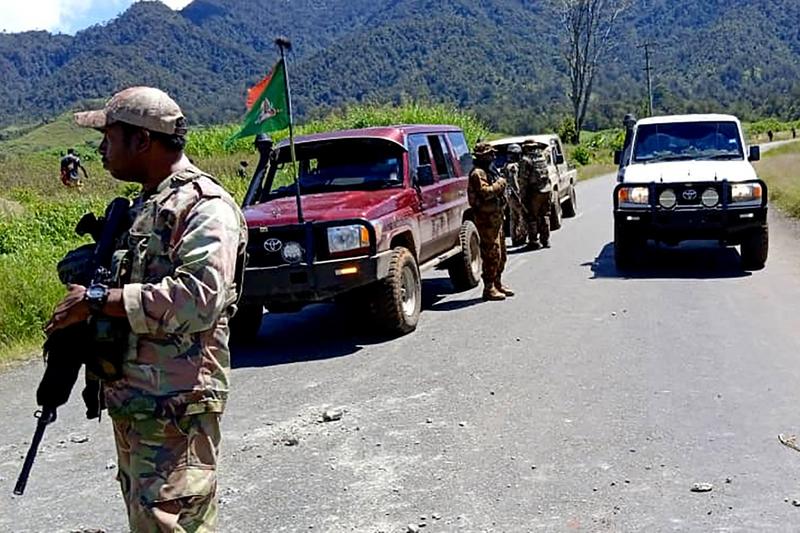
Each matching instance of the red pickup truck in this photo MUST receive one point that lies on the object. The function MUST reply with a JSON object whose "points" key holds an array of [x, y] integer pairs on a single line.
{"points": [[375, 207]]}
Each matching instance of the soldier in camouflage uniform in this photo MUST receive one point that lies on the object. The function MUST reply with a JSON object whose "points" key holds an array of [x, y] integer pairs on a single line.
{"points": [[186, 239], [517, 224], [486, 193], [537, 192]]}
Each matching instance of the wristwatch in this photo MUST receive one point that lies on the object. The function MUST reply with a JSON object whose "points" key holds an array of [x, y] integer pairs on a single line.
{"points": [[96, 296]]}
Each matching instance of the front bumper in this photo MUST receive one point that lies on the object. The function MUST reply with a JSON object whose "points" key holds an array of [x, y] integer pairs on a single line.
{"points": [[726, 222], [318, 282]]}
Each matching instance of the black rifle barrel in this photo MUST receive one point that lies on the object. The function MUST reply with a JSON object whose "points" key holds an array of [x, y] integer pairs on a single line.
{"points": [[45, 418]]}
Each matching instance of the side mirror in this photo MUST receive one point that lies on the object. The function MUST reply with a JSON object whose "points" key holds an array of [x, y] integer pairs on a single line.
{"points": [[559, 159], [424, 175], [617, 157], [755, 154]]}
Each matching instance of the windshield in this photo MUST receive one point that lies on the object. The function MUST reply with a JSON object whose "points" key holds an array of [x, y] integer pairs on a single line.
{"points": [[328, 166], [686, 141]]}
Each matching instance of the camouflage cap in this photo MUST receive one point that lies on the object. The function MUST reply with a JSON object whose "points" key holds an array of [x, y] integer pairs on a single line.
{"points": [[483, 149], [146, 107]]}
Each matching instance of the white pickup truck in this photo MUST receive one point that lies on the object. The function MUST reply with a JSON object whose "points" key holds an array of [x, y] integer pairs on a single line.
{"points": [[689, 177]]}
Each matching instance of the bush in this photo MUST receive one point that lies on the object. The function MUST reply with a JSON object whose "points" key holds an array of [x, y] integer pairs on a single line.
{"points": [[567, 131], [581, 155]]}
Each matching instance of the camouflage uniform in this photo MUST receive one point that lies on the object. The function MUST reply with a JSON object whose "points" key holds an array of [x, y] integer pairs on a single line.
{"points": [[536, 192], [486, 197], [184, 243], [517, 224], [177, 266]]}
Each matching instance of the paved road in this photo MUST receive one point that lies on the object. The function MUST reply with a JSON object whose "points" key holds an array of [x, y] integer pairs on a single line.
{"points": [[589, 402]]}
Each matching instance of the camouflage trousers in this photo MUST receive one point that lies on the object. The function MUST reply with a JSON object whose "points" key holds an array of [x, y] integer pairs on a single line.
{"points": [[493, 246], [539, 205], [518, 226], [167, 471]]}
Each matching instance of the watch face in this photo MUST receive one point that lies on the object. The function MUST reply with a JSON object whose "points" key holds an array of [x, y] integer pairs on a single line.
{"points": [[95, 292]]}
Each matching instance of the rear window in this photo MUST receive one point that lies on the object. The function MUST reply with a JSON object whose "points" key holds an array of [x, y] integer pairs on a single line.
{"points": [[461, 149], [685, 141]]}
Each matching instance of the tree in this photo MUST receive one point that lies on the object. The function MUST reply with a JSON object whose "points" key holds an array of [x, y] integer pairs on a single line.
{"points": [[587, 29]]}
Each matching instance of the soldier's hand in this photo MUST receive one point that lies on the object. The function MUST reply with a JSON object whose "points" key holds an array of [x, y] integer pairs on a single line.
{"points": [[72, 309]]}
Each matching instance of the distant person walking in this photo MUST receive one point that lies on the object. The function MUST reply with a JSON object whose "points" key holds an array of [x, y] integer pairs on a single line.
{"points": [[70, 164], [242, 170], [794, 132], [770, 135]]}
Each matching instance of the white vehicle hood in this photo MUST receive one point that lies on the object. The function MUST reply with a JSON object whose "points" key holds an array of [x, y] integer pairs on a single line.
{"points": [[689, 171]]}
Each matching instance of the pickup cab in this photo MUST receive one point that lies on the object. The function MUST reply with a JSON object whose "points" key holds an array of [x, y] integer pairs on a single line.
{"points": [[374, 208], [689, 177], [563, 175]]}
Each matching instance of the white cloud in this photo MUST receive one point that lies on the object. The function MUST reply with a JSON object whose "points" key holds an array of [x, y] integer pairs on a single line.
{"points": [[66, 16]]}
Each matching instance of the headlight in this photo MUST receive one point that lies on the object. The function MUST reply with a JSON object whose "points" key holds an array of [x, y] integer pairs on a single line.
{"points": [[635, 196], [347, 238], [746, 192], [667, 199], [709, 198]]}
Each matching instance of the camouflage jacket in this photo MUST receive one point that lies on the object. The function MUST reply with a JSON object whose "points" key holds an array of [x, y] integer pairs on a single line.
{"points": [[183, 244], [533, 173], [484, 192]]}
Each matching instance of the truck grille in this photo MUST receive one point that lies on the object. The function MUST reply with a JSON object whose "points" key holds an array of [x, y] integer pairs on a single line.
{"points": [[689, 195], [264, 247]]}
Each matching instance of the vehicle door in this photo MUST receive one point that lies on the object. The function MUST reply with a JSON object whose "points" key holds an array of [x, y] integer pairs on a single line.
{"points": [[560, 165], [430, 215], [452, 188]]}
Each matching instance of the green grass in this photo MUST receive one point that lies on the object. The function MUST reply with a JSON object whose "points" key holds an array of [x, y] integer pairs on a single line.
{"points": [[54, 137], [780, 169]]}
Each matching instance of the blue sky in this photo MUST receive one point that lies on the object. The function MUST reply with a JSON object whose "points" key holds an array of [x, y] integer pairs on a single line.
{"points": [[63, 16]]}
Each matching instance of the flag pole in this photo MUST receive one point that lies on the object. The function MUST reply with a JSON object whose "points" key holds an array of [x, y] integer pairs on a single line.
{"points": [[285, 44]]}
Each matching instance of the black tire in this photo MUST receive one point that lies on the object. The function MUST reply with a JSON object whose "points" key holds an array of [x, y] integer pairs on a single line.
{"points": [[625, 245], [246, 323], [570, 207], [755, 249], [555, 213], [398, 297], [465, 268]]}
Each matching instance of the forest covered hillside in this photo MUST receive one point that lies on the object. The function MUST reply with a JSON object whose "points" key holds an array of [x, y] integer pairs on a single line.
{"points": [[499, 58]]}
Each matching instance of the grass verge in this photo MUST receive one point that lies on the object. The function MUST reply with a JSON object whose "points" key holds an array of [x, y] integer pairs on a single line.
{"points": [[780, 169]]}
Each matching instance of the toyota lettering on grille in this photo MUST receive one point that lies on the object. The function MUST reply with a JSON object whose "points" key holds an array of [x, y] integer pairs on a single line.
{"points": [[273, 245], [689, 194]]}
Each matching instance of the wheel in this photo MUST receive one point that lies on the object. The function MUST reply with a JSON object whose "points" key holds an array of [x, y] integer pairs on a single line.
{"points": [[570, 207], [465, 268], [398, 297], [755, 248], [555, 213], [624, 247], [246, 323]]}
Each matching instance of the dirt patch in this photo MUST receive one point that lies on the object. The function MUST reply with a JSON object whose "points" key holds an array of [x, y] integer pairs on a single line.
{"points": [[9, 208]]}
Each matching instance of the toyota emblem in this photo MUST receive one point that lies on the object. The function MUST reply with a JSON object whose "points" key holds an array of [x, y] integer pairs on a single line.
{"points": [[273, 245], [689, 194]]}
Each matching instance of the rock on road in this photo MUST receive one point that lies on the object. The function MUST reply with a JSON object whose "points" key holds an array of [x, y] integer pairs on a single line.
{"points": [[590, 402]]}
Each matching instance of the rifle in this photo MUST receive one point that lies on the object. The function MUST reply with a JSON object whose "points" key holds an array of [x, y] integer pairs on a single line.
{"points": [[63, 364]]}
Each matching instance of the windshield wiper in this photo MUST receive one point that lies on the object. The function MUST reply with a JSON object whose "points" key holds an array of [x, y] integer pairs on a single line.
{"points": [[720, 157]]}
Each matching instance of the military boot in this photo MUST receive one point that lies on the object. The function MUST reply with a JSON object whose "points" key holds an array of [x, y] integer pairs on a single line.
{"points": [[490, 293], [505, 289]]}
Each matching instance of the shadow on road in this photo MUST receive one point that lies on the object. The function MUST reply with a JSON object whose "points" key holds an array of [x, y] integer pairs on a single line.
{"points": [[694, 260], [326, 331], [434, 290]]}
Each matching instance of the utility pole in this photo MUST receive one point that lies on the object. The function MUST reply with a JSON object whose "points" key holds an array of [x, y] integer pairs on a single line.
{"points": [[648, 69]]}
